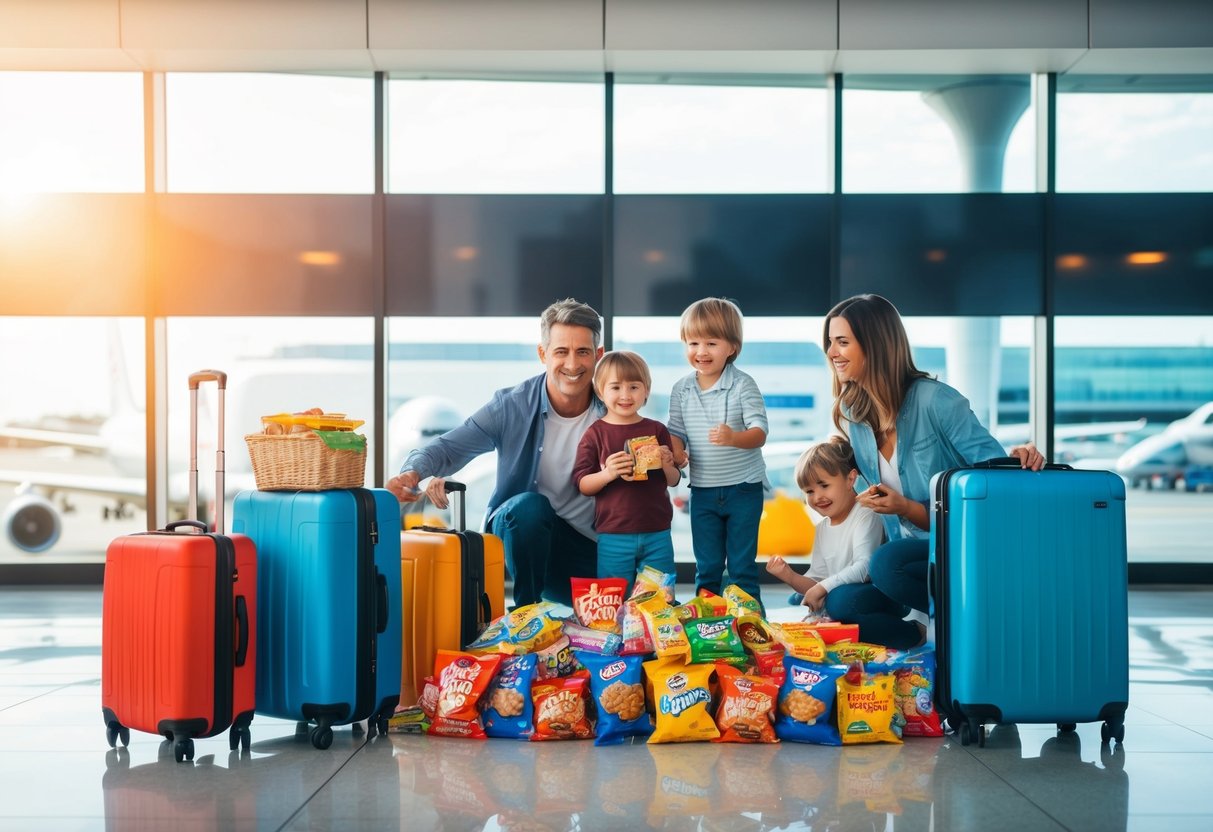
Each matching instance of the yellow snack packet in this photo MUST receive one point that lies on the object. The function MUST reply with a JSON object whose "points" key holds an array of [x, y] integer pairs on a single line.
{"points": [[866, 709], [669, 637], [800, 640], [681, 697], [532, 628], [740, 602]]}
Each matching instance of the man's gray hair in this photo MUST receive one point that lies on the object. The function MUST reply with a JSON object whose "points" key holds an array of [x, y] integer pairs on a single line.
{"points": [[573, 313]]}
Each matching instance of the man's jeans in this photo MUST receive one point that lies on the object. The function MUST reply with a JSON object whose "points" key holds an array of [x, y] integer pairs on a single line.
{"points": [[542, 551]]}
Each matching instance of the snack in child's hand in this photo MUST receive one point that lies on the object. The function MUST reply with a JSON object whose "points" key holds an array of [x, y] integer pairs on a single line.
{"points": [[646, 453]]}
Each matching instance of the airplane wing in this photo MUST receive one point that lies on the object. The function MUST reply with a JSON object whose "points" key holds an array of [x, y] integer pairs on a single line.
{"points": [[125, 489], [77, 441], [1017, 434]]}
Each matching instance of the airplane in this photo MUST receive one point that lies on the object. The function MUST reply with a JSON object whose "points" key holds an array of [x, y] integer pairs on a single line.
{"points": [[1073, 441], [1183, 446]]}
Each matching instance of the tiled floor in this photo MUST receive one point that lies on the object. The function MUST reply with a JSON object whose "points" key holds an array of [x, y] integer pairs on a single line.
{"points": [[57, 773]]}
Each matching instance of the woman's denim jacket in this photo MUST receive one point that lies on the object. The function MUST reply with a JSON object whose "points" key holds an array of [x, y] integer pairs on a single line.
{"points": [[936, 430]]}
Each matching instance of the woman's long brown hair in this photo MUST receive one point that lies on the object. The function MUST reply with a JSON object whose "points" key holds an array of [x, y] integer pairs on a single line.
{"points": [[888, 363]]}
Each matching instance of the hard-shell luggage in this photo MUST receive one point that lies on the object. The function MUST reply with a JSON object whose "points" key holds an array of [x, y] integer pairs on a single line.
{"points": [[328, 639], [1029, 581], [453, 585], [178, 622]]}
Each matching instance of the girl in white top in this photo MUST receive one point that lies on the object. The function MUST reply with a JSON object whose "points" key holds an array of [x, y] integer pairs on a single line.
{"points": [[848, 532]]}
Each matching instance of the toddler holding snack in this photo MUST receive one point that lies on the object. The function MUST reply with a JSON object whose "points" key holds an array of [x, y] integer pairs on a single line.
{"points": [[846, 535], [617, 454]]}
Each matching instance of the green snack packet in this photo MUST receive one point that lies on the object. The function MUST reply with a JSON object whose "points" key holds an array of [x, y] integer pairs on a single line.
{"points": [[713, 638], [342, 440]]}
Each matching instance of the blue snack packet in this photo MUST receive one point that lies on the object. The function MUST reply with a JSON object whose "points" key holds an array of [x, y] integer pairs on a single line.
{"points": [[509, 711], [806, 702], [617, 685]]}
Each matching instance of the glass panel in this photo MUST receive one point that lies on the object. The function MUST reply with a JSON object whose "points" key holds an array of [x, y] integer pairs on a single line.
{"points": [[722, 136], [483, 354], [492, 255], [1140, 392], [1135, 134], [977, 254], [270, 133], [71, 132], [770, 253], [273, 365], [495, 137], [938, 134], [75, 448]]}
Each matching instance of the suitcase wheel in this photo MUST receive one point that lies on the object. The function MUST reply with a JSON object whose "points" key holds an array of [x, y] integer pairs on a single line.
{"points": [[1066, 727], [183, 750], [1110, 731], [115, 731], [971, 730], [322, 736], [239, 736], [382, 725]]}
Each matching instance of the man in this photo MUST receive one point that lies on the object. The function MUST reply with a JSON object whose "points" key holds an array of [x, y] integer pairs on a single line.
{"points": [[545, 522]]}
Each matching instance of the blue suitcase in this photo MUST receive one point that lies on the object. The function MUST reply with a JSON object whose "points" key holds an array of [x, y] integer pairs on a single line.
{"points": [[1029, 581], [328, 605]]}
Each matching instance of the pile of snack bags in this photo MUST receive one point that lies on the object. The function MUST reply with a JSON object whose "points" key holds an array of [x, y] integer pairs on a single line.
{"points": [[645, 667]]}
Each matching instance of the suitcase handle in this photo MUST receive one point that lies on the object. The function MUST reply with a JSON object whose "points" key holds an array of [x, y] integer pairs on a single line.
{"points": [[381, 602], [242, 623], [195, 524], [1013, 462], [196, 378], [459, 518]]}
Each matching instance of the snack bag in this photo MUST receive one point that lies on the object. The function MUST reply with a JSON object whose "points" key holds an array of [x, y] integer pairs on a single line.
{"points": [[711, 604], [914, 691], [739, 602], [633, 622], [462, 680], [681, 698], [408, 721], [652, 579], [760, 643], [555, 660], [800, 640], [806, 702], [714, 638], [596, 601], [560, 708], [848, 653], [615, 684], [429, 697], [866, 712], [596, 641], [494, 639], [532, 627], [508, 713], [669, 637], [646, 453], [746, 712]]}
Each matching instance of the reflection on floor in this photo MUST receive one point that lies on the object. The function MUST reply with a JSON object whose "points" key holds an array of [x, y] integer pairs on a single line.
{"points": [[59, 774]]}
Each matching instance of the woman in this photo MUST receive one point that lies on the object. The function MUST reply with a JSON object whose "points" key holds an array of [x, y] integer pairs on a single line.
{"points": [[905, 427]]}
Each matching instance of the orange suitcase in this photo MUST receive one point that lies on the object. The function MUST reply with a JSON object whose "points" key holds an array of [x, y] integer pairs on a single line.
{"points": [[452, 585], [178, 651]]}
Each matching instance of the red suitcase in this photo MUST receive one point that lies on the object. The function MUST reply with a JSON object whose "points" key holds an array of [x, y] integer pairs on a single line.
{"points": [[177, 622]]}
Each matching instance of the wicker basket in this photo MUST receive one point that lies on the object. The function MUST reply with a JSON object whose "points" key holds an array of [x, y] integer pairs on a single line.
{"points": [[303, 462]]}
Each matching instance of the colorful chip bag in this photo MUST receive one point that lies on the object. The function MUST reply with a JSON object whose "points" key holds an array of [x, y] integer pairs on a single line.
{"points": [[847, 653], [669, 637], [800, 640], [914, 691], [617, 687], [555, 660], [746, 712], [560, 708], [866, 711], [532, 627], [508, 712], [806, 702], [586, 638], [740, 602], [681, 697], [652, 579], [596, 602], [714, 638], [633, 621], [462, 680]]}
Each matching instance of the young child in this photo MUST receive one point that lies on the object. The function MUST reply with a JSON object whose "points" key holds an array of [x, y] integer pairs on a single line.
{"points": [[718, 416], [632, 511], [846, 535]]}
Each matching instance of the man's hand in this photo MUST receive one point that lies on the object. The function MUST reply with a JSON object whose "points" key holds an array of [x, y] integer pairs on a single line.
{"points": [[436, 491], [404, 486], [1028, 456]]}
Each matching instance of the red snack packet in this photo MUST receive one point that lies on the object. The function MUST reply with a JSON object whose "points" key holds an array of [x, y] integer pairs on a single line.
{"points": [[561, 711], [746, 712], [462, 680], [596, 601], [429, 697]]}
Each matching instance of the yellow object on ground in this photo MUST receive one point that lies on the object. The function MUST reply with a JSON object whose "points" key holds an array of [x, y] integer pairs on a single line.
{"points": [[785, 527]]}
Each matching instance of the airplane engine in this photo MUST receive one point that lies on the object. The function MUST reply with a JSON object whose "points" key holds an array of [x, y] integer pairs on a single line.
{"points": [[31, 523]]}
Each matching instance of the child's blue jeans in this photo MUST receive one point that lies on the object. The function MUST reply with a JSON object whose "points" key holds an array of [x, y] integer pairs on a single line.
{"points": [[724, 532], [623, 555]]}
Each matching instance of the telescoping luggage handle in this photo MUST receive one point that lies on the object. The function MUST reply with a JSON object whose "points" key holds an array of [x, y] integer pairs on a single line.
{"points": [[219, 377], [458, 491], [1013, 462]]}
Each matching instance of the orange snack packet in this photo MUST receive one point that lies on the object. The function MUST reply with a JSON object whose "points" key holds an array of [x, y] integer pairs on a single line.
{"points": [[560, 708], [747, 706], [596, 601], [647, 455], [462, 680]]}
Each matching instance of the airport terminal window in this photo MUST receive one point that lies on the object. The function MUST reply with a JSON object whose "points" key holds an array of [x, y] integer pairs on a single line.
{"points": [[713, 136], [1140, 134], [273, 365], [495, 137], [1143, 388], [89, 141], [72, 452], [923, 134], [270, 133]]}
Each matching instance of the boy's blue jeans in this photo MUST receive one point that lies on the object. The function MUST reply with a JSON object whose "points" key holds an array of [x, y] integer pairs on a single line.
{"points": [[542, 551], [623, 555], [724, 532], [898, 571]]}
